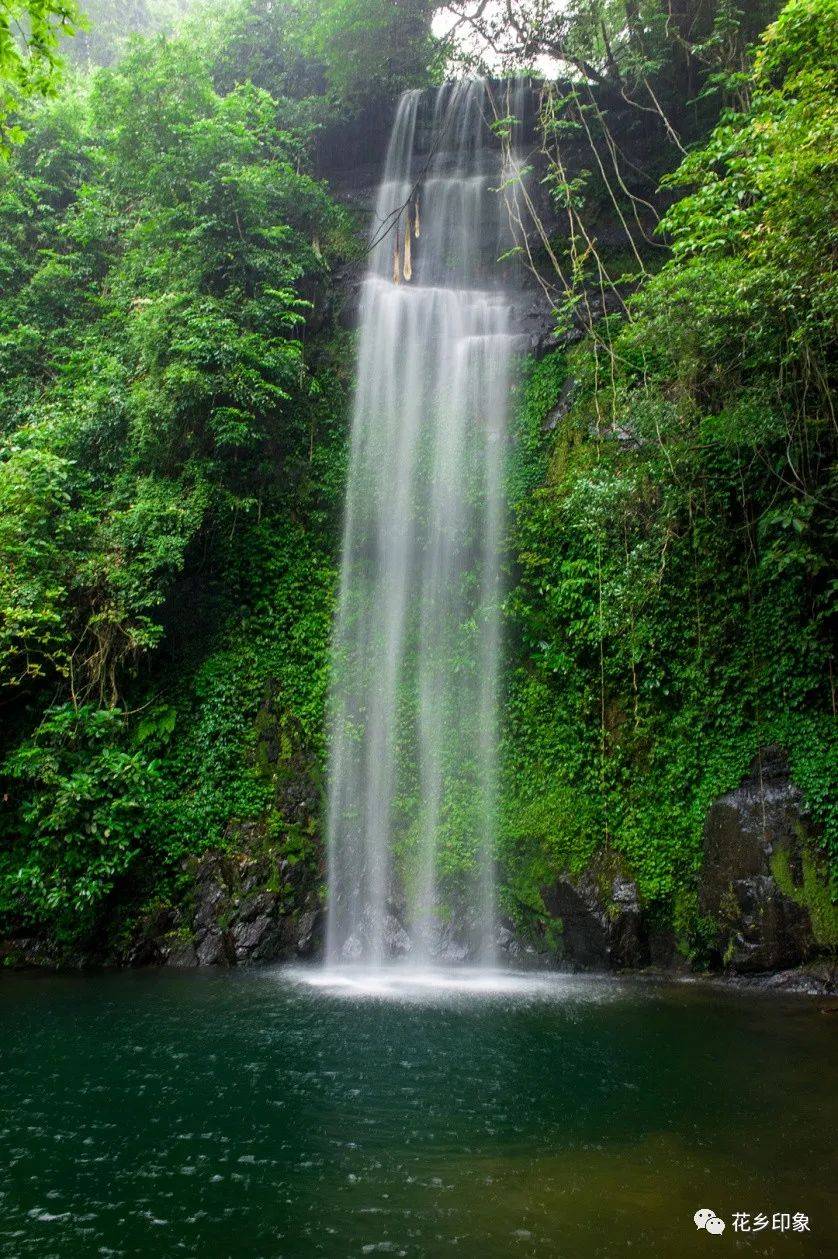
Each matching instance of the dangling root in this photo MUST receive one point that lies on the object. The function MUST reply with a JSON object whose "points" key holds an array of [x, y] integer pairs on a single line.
{"points": [[408, 261]]}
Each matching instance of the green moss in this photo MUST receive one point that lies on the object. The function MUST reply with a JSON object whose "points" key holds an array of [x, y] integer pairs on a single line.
{"points": [[180, 935], [812, 894], [554, 935]]}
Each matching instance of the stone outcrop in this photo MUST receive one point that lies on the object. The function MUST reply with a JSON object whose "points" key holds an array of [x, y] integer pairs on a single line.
{"points": [[763, 906], [601, 921], [258, 899], [756, 840], [236, 912], [762, 898]]}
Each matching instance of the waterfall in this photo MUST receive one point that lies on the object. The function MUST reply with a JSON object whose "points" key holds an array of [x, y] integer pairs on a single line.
{"points": [[414, 721]]}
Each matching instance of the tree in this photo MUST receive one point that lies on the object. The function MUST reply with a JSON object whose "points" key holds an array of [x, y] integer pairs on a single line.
{"points": [[163, 244], [30, 37], [110, 24], [615, 44], [369, 47]]}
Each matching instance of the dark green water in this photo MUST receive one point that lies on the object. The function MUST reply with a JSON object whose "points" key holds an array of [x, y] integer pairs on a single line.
{"points": [[245, 1114]]}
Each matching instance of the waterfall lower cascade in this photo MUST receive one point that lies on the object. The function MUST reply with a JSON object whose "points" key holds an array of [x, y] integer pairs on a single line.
{"points": [[414, 723]]}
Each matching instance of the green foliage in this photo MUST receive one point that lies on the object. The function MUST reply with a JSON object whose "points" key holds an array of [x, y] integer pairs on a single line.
{"points": [[171, 453], [79, 789], [30, 36], [172, 411], [645, 52], [212, 773], [674, 586], [161, 298], [812, 892], [369, 47], [110, 24]]}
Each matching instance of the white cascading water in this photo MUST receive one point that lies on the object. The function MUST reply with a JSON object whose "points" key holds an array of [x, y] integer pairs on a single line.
{"points": [[413, 746]]}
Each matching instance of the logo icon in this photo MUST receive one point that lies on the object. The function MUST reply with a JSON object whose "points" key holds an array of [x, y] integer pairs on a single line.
{"points": [[709, 1221]]}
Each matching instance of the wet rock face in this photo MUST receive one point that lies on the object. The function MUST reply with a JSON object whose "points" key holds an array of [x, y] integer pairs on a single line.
{"points": [[453, 943], [752, 898], [522, 954], [602, 925], [584, 921], [231, 917], [760, 928], [395, 940]]}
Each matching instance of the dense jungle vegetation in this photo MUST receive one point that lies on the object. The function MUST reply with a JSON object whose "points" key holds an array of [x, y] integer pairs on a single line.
{"points": [[174, 384]]}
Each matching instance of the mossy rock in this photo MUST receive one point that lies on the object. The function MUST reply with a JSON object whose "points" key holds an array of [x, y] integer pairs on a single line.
{"points": [[761, 885], [810, 890]]}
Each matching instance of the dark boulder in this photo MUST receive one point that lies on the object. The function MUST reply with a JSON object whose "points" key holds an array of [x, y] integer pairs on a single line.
{"points": [[750, 835], [262, 939], [310, 932], [214, 947], [768, 930], [238, 908], [524, 949], [212, 878], [602, 925], [584, 922], [179, 952]]}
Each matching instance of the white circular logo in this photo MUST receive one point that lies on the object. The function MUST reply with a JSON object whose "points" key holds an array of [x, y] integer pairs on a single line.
{"points": [[709, 1221]]}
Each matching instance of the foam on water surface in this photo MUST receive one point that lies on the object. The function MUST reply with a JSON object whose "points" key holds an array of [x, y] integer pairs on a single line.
{"points": [[431, 984]]}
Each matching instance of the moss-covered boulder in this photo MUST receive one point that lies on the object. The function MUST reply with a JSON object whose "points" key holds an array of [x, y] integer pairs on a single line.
{"points": [[762, 887], [600, 919]]}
